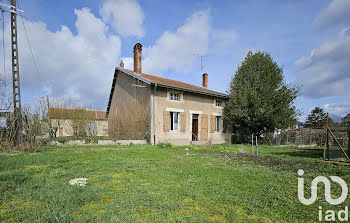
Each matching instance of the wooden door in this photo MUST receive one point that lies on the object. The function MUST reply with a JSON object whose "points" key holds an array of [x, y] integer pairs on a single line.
{"points": [[204, 127]]}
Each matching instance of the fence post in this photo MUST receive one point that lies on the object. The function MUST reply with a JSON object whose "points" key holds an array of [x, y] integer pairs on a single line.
{"points": [[253, 143], [348, 141], [310, 137], [327, 140], [257, 147], [229, 139]]}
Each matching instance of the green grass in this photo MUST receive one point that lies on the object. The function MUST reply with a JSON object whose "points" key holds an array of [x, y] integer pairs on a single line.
{"points": [[154, 184]]}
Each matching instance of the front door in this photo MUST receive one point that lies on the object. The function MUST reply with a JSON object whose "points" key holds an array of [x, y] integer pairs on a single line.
{"points": [[194, 127]]}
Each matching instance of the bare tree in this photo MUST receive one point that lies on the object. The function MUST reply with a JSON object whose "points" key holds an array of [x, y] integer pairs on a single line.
{"points": [[77, 120], [34, 129], [130, 122]]}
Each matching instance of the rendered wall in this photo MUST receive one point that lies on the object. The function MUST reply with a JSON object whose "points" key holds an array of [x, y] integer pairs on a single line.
{"points": [[190, 104]]}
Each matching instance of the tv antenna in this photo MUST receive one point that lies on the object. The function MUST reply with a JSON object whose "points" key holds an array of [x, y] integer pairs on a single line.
{"points": [[201, 57]]}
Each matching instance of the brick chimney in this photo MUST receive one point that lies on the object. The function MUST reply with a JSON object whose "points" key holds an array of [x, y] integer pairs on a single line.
{"points": [[137, 58], [121, 64], [205, 80]]}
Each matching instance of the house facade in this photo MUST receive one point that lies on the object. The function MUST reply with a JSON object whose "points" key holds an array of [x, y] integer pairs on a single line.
{"points": [[70, 122], [171, 111]]}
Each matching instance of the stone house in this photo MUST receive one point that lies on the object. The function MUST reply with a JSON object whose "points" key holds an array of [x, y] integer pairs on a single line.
{"points": [[88, 122], [172, 111]]}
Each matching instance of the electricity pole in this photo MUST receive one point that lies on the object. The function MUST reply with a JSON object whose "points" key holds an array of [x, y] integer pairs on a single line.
{"points": [[15, 77]]}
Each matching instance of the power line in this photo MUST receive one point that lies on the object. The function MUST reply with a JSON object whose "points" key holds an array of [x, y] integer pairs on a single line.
{"points": [[3, 96], [30, 47], [3, 48], [3, 44]]}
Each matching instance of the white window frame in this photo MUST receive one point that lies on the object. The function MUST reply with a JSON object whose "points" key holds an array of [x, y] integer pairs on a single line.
{"points": [[218, 103], [218, 123], [172, 123], [172, 95]]}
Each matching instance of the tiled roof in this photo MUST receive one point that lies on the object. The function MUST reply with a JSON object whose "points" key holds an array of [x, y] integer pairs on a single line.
{"points": [[72, 113], [175, 83], [101, 114], [165, 82]]}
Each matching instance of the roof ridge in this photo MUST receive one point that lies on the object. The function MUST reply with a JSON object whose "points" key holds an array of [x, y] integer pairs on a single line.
{"points": [[175, 80], [144, 75]]}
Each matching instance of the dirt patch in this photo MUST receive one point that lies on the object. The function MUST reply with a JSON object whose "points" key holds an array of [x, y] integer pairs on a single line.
{"points": [[274, 162]]}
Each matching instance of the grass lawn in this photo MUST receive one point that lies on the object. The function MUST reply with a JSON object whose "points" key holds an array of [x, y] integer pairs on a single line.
{"points": [[153, 184]]}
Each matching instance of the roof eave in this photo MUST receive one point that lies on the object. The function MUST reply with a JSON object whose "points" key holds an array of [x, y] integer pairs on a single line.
{"points": [[191, 90], [114, 80], [134, 75]]}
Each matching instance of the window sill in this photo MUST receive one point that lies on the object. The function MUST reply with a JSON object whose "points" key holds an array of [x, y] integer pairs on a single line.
{"points": [[174, 100]]}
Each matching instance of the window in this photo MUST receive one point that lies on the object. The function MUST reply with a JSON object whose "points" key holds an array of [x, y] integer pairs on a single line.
{"points": [[174, 97], [218, 124], [218, 103], [174, 121]]}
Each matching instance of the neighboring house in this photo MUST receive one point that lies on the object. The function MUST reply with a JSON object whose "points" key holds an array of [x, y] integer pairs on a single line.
{"points": [[173, 111], [69, 122]]}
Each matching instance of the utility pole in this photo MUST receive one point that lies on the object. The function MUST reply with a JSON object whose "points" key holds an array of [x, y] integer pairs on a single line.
{"points": [[15, 77], [327, 138]]}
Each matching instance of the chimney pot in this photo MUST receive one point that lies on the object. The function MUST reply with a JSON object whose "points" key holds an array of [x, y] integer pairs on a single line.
{"points": [[121, 64], [205, 80], [137, 58]]}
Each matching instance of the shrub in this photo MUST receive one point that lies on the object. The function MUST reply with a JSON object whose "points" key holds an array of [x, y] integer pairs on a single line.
{"points": [[131, 122], [63, 141], [33, 130], [166, 146]]}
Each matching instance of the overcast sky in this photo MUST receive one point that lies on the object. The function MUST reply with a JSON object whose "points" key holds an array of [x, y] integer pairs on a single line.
{"points": [[78, 43]]}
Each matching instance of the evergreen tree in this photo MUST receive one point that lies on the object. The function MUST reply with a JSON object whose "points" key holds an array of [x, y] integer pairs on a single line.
{"points": [[317, 118], [259, 98]]}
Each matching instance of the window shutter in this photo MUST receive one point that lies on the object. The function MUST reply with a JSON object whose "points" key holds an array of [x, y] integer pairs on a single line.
{"points": [[183, 122], [212, 123], [204, 127], [166, 121]]}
